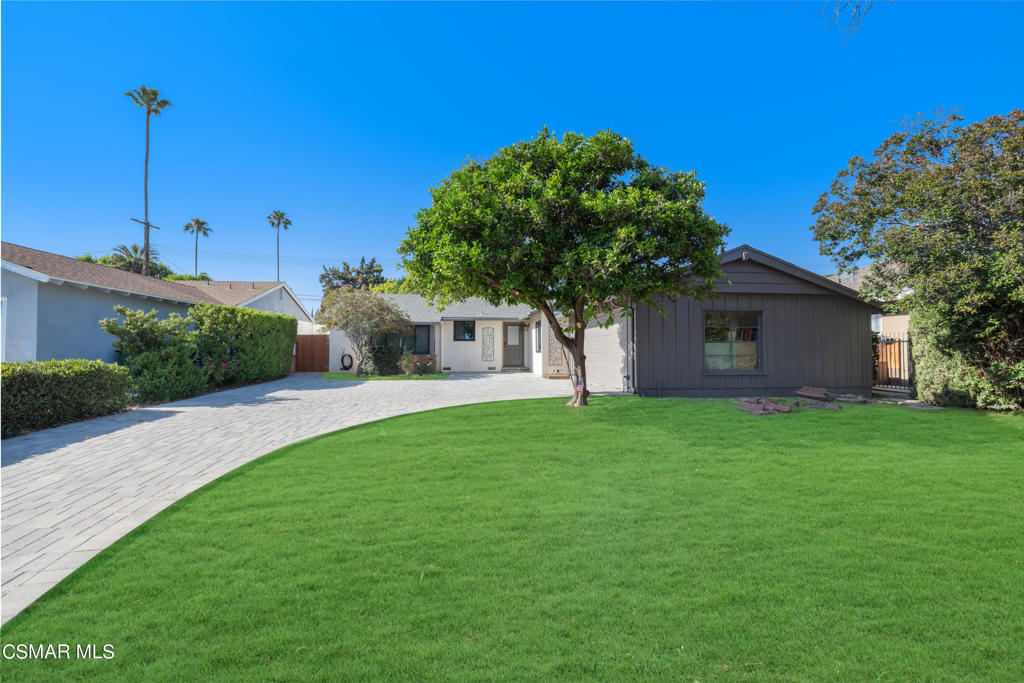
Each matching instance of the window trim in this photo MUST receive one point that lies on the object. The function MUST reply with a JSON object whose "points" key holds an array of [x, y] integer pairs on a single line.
{"points": [[760, 370], [455, 327], [536, 333]]}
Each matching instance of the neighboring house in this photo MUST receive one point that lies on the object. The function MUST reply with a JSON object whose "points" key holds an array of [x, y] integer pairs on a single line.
{"points": [[771, 328], [889, 325], [52, 304]]}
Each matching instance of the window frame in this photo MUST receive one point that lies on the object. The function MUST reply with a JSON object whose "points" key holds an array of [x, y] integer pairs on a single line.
{"points": [[455, 331], [536, 333], [759, 370]]}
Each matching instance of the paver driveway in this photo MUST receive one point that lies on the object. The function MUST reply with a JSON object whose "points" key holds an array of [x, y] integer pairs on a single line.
{"points": [[69, 492]]}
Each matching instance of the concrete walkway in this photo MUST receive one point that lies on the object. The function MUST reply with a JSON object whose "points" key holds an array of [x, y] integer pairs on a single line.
{"points": [[69, 492]]}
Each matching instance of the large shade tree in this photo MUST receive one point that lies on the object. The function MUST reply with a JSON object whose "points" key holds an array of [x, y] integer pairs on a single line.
{"points": [[939, 210], [364, 317], [149, 99], [575, 227]]}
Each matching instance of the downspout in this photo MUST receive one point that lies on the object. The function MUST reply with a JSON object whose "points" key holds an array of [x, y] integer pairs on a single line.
{"points": [[631, 385]]}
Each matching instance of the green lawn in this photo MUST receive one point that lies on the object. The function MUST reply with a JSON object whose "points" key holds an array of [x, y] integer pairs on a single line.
{"points": [[350, 377], [638, 538]]}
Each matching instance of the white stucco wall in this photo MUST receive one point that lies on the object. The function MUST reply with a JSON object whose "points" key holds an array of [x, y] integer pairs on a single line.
{"points": [[340, 345], [20, 316], [279, 301], [467, 356]]}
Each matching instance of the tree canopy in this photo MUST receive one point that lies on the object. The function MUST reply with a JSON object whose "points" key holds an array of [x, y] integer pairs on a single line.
{"points": [[364, 276], [402, 285], [363, 316], [939, 209], [575, 227]]}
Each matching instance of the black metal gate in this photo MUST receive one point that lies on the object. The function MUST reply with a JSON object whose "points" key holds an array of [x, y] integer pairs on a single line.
{"points": [[894, 366]]}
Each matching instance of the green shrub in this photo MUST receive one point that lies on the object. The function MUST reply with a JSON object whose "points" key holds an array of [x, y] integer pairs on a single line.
{"points": [[243, 345], [415, 365], [382, 360], [940, 378], [138, 332], [169, 373], [37, 395], [161, 354]]}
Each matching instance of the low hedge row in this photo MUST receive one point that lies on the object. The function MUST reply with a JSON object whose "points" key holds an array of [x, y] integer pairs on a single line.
{"points": [[37, 395]]}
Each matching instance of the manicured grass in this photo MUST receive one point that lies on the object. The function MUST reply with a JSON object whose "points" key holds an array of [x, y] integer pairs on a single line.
{"points": [[350, 377], [637, 538]]}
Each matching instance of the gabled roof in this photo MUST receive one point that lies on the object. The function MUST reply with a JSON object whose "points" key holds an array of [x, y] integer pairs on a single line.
{"points": [[745, 252], [420, 310], [242, 292], [60, 269], [231, 292]]}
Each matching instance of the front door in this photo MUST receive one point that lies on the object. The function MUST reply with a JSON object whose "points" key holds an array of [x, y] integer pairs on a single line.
{"points": [[512, 354]]}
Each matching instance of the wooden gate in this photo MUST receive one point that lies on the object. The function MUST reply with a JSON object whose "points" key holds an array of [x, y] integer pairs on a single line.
{"points": [[312, 352]]}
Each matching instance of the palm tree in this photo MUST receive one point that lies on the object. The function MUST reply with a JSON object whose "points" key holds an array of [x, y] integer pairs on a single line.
{"points": [[131, 258], [278, 220], [197, 226], [149, 99]]}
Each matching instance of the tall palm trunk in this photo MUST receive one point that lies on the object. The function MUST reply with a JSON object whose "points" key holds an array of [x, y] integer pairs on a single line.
{"points": [[279, 253], [197, 252], [145, 199]]}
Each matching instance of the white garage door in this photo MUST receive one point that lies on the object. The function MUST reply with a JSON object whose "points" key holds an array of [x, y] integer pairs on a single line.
{"points": [[606, 356]]}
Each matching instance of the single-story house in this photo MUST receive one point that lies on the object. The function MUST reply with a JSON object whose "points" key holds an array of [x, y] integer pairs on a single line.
{"points": [[771, 328], [52, 304]]}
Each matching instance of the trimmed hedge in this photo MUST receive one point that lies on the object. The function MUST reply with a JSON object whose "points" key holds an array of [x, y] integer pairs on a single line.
{"points": [[37, 395], [242, 344]]}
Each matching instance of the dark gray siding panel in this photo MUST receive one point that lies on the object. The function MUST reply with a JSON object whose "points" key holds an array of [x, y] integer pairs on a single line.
{"points": [[819, 339]]}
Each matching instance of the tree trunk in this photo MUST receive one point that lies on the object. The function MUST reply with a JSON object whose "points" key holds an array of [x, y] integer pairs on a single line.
{"points": [[574, 345], [145, 200], [579, 361], [197, 252], [279, 253]]}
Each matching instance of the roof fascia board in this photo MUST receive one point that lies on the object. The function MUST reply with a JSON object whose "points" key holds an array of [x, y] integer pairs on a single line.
{"points": [[25, 272], [790, 269]]}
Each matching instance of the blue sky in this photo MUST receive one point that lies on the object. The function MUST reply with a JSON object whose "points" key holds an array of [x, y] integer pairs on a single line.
{"points": [[344, 115]]}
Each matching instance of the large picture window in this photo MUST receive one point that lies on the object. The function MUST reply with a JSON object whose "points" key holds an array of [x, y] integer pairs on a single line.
{"points": [[465, 330], [731, 340], [418, 342]]}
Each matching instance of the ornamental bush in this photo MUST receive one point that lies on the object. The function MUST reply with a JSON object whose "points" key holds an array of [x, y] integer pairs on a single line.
{"points": [[382, 360], [168, 373], [242, 344], [37, 395]]}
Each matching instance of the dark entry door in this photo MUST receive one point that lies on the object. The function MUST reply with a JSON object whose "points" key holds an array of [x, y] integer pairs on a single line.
{"points": [[513, 346]]}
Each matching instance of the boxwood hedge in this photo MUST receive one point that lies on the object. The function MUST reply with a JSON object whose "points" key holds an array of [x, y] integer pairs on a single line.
{"points": [[40, 394]]}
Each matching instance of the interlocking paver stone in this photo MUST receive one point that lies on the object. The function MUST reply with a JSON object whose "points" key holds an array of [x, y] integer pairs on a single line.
{"points": [[70, 491]]}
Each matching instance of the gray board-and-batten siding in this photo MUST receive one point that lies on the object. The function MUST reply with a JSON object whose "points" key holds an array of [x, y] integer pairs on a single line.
{"points": [[810, 333]]}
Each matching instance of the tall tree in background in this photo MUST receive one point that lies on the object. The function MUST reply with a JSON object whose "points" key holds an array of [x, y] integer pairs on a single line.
{"points": [[364, 276], [939, 209], [278, 221], [148, 99], [573, 227], [197, 227]]}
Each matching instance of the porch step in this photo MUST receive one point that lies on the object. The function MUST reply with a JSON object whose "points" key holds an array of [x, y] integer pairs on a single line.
{"points": [[515, 369], [888, 392]]}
